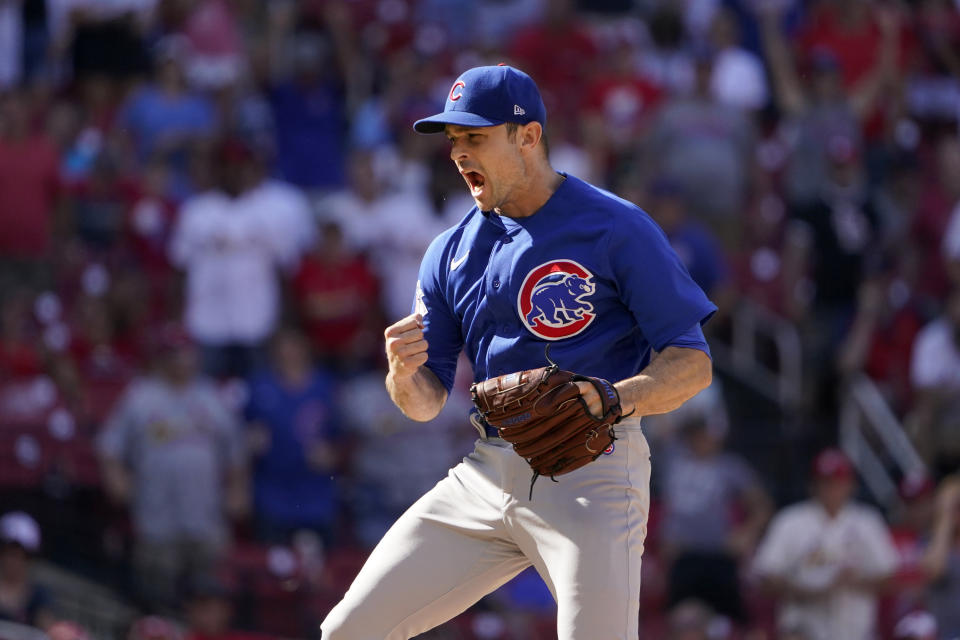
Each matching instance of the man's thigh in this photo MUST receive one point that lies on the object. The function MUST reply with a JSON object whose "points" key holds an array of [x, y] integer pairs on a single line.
{"points": [[585, 535], [446, 552]]}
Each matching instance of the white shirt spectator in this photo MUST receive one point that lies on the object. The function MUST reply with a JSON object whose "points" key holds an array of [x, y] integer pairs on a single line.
{"points": [[231, 250], [935, 359], [806, 547], [290, 217]]}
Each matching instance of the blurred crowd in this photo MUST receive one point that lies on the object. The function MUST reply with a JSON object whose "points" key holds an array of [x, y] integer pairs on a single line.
{"points": [[210, 209]]}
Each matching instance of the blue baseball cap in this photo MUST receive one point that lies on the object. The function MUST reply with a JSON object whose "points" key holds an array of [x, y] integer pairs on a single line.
{"points": [[486, 97]]}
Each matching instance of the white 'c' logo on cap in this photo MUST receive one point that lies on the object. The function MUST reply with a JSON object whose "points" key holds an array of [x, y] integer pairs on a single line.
{"points": [[456, 91]]}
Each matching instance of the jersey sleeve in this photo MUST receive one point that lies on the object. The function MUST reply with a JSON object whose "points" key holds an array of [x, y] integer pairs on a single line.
{"points": [[441, 327], [692, 338], [653, 282]]}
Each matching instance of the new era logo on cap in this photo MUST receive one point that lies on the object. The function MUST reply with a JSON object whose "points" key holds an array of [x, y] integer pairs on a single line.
{"points": [[486, 97]]}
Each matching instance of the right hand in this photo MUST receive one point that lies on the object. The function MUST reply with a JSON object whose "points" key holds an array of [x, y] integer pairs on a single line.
{"points": [[405, 346]]}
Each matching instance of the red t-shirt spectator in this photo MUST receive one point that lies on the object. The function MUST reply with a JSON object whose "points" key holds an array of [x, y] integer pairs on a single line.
{"points": [[339, 299], [928, 228], [855, 46], [29, 186], [626, 101], [888, 360]]}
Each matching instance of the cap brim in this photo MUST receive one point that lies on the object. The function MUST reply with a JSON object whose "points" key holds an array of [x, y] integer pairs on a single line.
{"points": [[435, 124]]}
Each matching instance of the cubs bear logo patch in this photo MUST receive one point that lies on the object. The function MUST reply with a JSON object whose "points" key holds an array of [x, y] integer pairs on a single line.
{"points": [[552, 302]]}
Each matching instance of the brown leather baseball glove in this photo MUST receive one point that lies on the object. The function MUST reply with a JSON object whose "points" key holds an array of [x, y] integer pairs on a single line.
{"points": [[541, 413]]}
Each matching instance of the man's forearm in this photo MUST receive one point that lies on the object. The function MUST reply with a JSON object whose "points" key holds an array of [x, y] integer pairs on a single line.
{"points": [[420, 396], [672, 378]]}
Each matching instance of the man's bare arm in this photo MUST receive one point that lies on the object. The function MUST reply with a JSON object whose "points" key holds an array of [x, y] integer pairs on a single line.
{"points": [[413, 388], [672, 378]]}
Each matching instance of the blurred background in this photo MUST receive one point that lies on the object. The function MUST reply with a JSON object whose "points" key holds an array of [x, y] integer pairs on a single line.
{"points": [[210, 209]]}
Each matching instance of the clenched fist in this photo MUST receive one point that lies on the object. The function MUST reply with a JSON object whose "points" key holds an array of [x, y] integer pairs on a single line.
{"points": [[405, 346]]}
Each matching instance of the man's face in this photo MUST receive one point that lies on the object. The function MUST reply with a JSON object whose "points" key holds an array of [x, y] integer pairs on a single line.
{"points": [[833, 493], [490, 161]]}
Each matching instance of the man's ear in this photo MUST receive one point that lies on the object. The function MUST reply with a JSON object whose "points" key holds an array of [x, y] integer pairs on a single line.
{"points": [[530, 135]]}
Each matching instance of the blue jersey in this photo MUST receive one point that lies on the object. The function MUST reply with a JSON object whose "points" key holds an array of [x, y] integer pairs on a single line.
{"points": [[589, 273]]}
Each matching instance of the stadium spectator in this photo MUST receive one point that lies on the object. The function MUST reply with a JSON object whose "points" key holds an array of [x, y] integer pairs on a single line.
{"points": [[696, 140], [881, 336], [941, 562], [173, 453], [619, 104], [95, 38], [293, 432], [697, 247], [369, 213], [832, 238], [820, 109], [100, 202], [233, 242], [11, 45], [852, 31], [763, 276], [209, 610], [935, 377], [667, 60], [338, 300], [22, 600], [30, 193], [919, 625], [396, 459], [738, 78], [703, 488], [20, 357], [165, 116], [910, 530], [933, 80], [827, 558], [930, 228], [308, 108], [216, 55], [558, 51]]}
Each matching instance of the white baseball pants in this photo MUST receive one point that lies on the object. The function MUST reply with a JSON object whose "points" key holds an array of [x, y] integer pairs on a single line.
{"points": [[477, 529]]}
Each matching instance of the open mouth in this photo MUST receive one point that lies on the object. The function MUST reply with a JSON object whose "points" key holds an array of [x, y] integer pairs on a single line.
{"points": [[475, 181]]}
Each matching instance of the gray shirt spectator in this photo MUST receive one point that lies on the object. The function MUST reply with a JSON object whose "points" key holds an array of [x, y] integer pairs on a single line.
{"points": [[698, 496], [177, 442], [697, 141], [173, 451]]}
